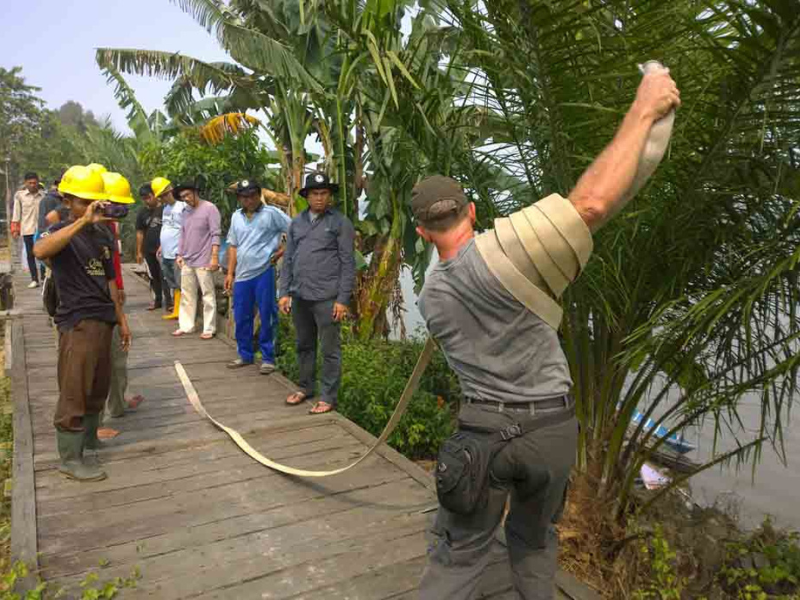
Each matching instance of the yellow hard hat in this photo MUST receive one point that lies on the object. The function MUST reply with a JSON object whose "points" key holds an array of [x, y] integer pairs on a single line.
{"points": [[83, 182], [117, 188], [97, 167], [160, 185]]}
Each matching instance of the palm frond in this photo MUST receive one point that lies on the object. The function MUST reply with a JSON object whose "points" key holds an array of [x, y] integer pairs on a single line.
{"points": [[126, 98], [250, 47]]}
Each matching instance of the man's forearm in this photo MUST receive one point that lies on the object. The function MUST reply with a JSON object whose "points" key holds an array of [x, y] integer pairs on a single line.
{"points": [[599, 193], [139, 243], [49, 246], [118, 310], [231, 260], [214, 253]]}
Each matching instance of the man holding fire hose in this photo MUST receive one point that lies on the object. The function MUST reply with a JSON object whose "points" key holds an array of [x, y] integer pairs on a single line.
{"points": [[491, 304]]}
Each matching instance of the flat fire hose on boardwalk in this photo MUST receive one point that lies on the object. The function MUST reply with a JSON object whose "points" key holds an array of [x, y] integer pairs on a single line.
{"points": [[534, 253], [405, 398]]}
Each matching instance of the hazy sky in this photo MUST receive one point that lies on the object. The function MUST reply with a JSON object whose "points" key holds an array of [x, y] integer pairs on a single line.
{"points": [[54, 41]]}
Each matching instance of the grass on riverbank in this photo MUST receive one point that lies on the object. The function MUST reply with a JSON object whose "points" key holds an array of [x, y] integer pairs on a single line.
{"points": [[676, 551], [6, 454]]}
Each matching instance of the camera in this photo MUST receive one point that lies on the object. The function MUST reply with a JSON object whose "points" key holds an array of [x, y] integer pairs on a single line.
{"points": [[115, 211]]}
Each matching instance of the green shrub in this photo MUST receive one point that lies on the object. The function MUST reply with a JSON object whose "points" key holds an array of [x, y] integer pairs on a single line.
{"points": [[664, 582], [767, 565], [374, 374]]}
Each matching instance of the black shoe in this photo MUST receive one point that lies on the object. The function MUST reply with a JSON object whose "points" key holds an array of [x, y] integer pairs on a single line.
{"points": [[238, 364]]}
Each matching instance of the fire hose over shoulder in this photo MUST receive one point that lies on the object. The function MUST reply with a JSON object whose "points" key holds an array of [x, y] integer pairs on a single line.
{"points": [[537, 252]]}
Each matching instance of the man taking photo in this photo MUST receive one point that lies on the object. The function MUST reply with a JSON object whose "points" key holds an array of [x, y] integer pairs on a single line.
{"points": [[80, 252]]}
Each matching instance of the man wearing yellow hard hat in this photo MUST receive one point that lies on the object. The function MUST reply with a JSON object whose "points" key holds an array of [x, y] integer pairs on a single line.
{"points": [[80, 253], [171, 223], [117, 405]]}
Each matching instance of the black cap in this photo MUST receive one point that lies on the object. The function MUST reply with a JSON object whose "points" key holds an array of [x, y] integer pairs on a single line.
{"points": [[186, 185], [247, 186], [318, 181], [437, 197]]}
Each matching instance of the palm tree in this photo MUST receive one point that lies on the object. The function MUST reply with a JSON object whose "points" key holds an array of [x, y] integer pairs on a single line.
{"points": [[689, 301]]}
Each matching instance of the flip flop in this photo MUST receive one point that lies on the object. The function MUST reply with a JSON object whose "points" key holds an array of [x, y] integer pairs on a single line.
{"points": [[206, 336], [320, 408], [180, 332], [296, 398], [106, 433]]}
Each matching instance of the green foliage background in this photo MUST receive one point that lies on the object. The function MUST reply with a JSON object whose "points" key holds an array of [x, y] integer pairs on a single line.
{"points": [[374, 373]]}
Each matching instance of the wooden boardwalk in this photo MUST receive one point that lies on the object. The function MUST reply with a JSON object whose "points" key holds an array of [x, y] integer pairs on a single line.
{"points": [[189, 510]]}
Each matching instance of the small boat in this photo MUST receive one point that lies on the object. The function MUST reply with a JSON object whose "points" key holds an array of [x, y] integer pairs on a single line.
{"points": [[675, 441]]}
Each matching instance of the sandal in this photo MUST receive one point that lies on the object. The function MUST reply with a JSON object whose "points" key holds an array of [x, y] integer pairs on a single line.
{"points": [[320, 408], [206, 336], [106, 433], [296, 398], [180, 332]]}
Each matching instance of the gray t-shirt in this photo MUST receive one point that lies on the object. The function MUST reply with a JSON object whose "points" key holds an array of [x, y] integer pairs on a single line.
{"points": [[498, 349]]}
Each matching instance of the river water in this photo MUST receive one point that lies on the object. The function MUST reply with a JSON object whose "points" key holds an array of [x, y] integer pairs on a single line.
{"points": [[771, 493]]}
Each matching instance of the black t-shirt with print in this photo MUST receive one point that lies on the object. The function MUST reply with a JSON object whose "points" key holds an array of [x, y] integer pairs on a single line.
{"points": [[149, 221], [82, 271]]}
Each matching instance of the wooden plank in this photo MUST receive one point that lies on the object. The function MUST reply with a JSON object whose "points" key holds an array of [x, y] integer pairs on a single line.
{"points": [[23, 503], [280, 538], [319, 514], [353, 557], [9, 350], [398, 580], [220, 499], [183, 478]]}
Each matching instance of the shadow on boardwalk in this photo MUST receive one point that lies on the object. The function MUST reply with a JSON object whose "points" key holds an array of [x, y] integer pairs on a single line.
{"points": [[196, 516]]}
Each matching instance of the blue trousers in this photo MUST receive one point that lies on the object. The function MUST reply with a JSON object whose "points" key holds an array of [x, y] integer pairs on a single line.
{"points": [[260, 292]]}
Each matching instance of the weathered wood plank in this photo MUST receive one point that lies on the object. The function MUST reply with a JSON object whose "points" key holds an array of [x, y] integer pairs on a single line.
{"points": [[323, 514], [24, 546], [278, 546], [152, 517]]}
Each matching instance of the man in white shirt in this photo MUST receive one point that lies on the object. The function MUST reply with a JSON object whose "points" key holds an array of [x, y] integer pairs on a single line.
{"points": [[25, 220], [171, 223]]}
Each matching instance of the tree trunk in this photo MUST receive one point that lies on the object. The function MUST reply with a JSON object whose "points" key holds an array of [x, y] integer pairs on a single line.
{"points": [[377, 286]]}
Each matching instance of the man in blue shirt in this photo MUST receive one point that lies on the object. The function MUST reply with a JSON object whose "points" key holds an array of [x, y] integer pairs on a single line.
{"points": [[253, 238]]}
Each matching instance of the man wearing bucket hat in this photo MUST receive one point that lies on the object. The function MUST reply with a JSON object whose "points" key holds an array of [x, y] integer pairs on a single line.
{"points": [[198, 259], [491, 304], [316, 282], [253, 238], [171, 222], [80, 253]]}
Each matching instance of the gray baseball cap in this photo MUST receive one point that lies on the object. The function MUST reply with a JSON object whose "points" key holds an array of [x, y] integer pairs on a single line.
{"points": [[437, 197]]}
